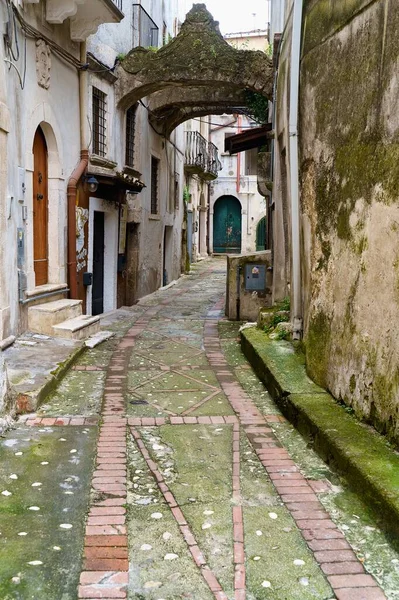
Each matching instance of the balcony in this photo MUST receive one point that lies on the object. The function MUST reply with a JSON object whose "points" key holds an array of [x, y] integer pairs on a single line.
{"points": [[213, 164], [85, 15], [201, 157], [145, 31], [196, 158]]}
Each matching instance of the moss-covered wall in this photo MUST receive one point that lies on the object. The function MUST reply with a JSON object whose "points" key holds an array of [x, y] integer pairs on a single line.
{"points": [[349, 132]]}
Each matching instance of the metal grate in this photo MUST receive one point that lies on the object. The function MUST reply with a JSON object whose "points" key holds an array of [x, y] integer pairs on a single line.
{"points": [[130, 131], [99, 122], [154, 185], [196, 154]]}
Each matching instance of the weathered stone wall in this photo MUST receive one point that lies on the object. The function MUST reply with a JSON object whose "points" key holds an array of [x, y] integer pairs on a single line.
{"points": [[249, 302], [349, 132]]}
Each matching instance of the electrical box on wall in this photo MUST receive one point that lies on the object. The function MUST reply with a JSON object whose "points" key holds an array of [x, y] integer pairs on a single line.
{"points": [[255, 277], [21, 185]]}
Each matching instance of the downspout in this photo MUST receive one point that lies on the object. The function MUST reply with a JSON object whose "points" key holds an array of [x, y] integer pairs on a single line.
{"points": [[296, 311], [238, 187], [76, 175]]}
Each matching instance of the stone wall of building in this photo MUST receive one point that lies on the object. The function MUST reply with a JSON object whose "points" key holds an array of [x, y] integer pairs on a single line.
{"points": [[349, 131]]}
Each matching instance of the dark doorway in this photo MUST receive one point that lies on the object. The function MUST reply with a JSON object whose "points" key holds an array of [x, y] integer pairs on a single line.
{"points": [[227, 225], [98, 264], [40, 209], [261, 235], [167, 255]]}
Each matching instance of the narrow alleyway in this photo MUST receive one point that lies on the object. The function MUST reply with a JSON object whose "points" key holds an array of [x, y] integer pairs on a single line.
{"points": [[163, 455]]}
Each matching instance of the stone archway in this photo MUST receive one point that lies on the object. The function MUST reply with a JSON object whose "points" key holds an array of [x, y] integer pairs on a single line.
{"points": [[198, 73]]}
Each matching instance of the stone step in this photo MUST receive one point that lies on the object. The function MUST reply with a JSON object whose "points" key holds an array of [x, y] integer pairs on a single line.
{"points": [[43, 317], [78, 328]]}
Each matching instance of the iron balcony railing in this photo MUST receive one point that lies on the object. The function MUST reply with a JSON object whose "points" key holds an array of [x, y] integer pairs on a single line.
{"points": [[145, 31], [196, 158], [118, 3], [213, 163]]}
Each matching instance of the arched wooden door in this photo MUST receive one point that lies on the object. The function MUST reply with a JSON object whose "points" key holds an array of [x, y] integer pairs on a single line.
{"points": [[40, 208], [227, 225], [261, 235]]}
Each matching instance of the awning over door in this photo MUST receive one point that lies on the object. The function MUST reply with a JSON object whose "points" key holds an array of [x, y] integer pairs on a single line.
{"points": [[251, 138]]}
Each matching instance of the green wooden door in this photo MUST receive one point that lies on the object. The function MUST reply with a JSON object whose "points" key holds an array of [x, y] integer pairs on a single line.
{"points": [[227, 225], [261, 235]]}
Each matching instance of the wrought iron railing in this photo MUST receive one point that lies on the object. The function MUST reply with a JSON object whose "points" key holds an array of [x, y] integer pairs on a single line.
{"points": [[145, 31], [196, 158], [213, 163]]}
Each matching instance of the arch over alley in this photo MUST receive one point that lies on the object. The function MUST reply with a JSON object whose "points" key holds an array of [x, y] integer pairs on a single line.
{"points": [[198, 73]]}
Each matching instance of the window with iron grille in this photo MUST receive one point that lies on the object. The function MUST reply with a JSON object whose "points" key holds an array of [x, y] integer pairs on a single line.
{"points": [[130, 131], [154, 185], [99, 122]]}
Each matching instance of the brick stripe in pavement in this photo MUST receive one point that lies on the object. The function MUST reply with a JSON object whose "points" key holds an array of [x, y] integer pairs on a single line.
{"points": [[238, 522], [198, 557], [105, 572], [106, 563], [60, 421], [336, 558]]}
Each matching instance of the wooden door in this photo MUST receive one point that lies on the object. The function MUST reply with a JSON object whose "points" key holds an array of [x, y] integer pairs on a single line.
{"points": [[98, 264], [40, 209], [227, 225]]}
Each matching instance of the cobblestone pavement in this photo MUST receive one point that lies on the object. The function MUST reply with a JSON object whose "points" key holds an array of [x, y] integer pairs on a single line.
{"points": [[160, 469]]}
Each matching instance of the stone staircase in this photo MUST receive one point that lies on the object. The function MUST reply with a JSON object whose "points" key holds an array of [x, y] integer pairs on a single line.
{"points": [[63, 319]]}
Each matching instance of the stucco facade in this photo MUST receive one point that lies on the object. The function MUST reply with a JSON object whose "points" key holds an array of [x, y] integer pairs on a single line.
{"points": [[238, 179], [43, 102], [349, 199], [42, 86]]}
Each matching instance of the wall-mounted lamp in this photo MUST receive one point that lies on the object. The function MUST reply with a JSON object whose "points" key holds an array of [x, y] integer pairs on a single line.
{"points": [[92, 184]]}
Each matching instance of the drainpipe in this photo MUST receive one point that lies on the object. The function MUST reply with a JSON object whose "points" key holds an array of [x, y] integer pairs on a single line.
{"points": [[238, 159], [76, 175], [294, 170]]}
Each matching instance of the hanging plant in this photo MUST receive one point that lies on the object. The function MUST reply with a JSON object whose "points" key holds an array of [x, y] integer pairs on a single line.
{"points": [[257, 107], [186, 194]]}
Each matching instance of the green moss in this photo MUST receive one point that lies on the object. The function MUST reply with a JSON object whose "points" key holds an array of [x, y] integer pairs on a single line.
{"points": [[371, 466], [343, 227], [277, 362], [317, 344], [199, 54], [324, 17]]}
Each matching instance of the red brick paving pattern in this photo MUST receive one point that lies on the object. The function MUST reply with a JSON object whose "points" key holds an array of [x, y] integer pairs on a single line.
{"points": [[105, 560], [337, 560]]}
